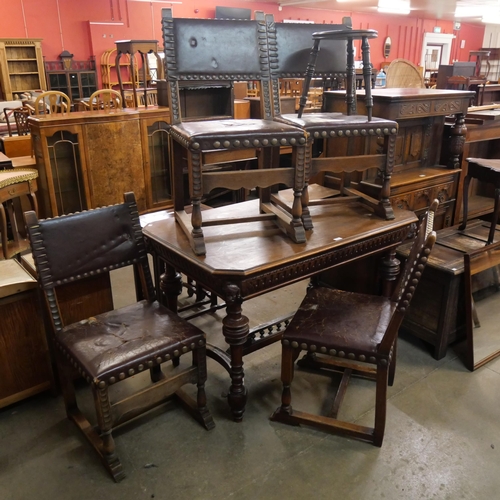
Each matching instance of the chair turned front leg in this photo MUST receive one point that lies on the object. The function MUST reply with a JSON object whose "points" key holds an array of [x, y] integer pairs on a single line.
{"points": [[105, 423], [284, 413]]}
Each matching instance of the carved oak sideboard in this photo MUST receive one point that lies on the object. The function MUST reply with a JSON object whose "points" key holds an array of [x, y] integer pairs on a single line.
{"points": [[418, 177]]}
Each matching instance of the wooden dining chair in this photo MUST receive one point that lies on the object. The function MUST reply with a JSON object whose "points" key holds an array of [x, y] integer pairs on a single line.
{"points": [[118, 345], [106, 99], [291, 55], [50, 102], [14, 184], [352, 334], [200, 52]]}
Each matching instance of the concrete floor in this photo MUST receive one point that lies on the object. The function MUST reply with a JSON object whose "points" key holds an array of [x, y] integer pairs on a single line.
{"points": [[442, 436]]}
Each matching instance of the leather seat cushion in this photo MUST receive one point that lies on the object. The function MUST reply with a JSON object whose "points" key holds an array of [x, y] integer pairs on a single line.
{"points": [[344, 321], [127, 338], [313, 122]]}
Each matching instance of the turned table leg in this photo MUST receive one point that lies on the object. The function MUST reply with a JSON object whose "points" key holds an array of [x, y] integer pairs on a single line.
{"points": [[235, 330]]}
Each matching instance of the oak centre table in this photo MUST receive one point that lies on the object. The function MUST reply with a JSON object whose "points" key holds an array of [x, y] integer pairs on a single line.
{"points": [[249, 259]]}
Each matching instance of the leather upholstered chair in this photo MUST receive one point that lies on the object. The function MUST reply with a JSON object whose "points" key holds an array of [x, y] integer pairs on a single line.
{"points": [[119, 344], [106, 99], [291, 55], [352, 334], [221, 51]]}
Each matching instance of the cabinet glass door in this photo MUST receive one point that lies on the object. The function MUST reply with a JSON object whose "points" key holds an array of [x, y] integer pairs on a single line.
{"points": [[159, 164]]}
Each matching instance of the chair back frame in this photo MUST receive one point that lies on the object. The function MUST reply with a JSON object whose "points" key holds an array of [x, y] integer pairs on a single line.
{"points": [[193, 53], [106, 99], [53, 102], [289, 54], [411, 274], [110, 238]]}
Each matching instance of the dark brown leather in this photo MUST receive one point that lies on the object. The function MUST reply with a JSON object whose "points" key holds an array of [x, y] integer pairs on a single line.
{"points": [[345, 321], [91, 241], [131, 338], [336, 122], [293, 43], [206, 132]]}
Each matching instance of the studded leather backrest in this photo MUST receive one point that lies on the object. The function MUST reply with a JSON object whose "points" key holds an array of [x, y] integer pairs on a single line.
{"points": [[75, 246], [214, 49], [290, 45], [417, 260]]}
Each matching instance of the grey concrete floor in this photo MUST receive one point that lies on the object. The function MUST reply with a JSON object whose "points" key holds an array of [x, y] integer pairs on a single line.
{"points": [[442, 436]]}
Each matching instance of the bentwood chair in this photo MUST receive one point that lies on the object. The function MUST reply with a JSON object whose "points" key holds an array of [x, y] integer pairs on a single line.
{"points": [[221, 51], [291, 55], [106, 99], [352, 334], [113, 347]]}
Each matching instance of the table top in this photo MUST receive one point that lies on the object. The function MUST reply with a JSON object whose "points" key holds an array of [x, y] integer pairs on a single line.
{"points": [[259, 251]]}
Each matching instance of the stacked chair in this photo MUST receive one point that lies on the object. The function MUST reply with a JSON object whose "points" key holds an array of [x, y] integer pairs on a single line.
{"points": [[221, 51], [304, 51]]}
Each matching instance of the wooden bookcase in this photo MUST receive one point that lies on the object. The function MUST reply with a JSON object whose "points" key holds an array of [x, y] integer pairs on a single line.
{"points": [[21, 66]]}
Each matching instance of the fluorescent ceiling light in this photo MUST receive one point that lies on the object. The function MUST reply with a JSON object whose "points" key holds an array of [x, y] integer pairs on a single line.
{"points": [[393, 7], [477, 8]]}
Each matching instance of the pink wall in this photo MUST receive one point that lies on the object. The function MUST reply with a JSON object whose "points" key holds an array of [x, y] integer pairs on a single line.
{"points": [[67, 24]]}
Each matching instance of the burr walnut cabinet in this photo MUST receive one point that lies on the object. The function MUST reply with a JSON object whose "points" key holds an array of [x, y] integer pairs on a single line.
{"points": [[89, 159]]}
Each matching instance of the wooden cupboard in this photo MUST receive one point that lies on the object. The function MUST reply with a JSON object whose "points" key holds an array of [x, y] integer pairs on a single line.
{"points": [[25, 367], [21, 66], [419, 176], [89, 159], [78, 80]]}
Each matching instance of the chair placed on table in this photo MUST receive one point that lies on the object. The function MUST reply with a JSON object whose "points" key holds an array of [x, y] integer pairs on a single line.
{"points": [[204, 50], [291, 55], [344, 332], [50, 102], [114, 346], [106, 99]]}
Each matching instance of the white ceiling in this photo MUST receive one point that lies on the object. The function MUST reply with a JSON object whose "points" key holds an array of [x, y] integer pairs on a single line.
{"points": [[429, 9]]}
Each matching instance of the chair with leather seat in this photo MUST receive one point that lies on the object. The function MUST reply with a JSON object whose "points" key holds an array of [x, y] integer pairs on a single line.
{"points": [[352, 334], [209, 52], [291, 55], [120, 344]]}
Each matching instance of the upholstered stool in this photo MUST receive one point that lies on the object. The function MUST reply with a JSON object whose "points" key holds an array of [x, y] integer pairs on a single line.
{"points": [[13, 184], [484, 170]]}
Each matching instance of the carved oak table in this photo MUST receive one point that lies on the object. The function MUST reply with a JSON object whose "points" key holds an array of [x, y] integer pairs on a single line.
{"points": [[250, 259]]}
